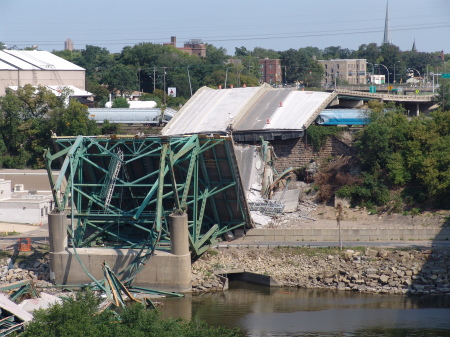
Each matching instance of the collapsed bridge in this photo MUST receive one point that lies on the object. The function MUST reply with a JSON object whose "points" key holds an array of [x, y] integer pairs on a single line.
{"points": [[117, 194]]}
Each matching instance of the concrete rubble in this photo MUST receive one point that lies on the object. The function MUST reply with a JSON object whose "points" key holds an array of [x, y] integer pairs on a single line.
{"points": [[13, 272]]}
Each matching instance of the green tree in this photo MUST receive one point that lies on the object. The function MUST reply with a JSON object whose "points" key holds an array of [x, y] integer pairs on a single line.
{"points": [[79, 317], [120, 102], [121, 78], [72, 120], [100, 92], [444, 94], [37, 102]]}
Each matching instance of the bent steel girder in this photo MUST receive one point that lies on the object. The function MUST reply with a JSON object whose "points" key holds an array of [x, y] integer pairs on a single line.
{"points": [[120, 190]]}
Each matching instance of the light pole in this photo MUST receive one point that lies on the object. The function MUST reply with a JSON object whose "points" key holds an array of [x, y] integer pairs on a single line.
{"points": [[373, 71], [164, 69], [226, 77], [189, 77], [417, 72], [239, 76], [139, 77], [394, 70], [387, 70]]}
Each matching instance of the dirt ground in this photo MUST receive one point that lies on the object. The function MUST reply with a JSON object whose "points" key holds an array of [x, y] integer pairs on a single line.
{"points": [[361, 216]]}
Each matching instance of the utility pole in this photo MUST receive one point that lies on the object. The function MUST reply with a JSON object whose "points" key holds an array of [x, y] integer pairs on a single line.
{"points": [[164, 69], [154, 79]]}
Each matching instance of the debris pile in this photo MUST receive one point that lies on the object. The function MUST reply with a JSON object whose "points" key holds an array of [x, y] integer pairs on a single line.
{"points": [[35, 270]]}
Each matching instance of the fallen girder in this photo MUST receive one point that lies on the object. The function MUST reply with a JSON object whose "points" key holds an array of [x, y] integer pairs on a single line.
{"points": [[119, 191]]}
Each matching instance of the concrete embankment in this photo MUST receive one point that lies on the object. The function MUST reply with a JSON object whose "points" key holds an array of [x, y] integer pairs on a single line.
{"points": [[331, 233], [364, 269]]}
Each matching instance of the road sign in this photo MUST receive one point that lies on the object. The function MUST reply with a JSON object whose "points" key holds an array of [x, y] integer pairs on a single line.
{"points": [[417, 91], [445, 75]]}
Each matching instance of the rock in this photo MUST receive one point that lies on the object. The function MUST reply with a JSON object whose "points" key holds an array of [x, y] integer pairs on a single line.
{"points": [[370, 252], [384, 278]]}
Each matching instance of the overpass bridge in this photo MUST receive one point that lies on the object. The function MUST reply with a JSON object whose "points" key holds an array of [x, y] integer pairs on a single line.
{"points": [[414, 102]]}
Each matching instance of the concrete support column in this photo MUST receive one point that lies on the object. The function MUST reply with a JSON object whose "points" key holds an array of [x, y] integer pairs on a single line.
{"points": [[57, 232], [179, 234], [417, 109]]}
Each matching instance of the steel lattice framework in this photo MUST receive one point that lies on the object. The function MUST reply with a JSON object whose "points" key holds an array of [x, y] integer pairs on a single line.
{"points": [[120, 190]]}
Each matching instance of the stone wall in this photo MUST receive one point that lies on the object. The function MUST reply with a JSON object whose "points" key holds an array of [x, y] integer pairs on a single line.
{"points": [[365, 270], [296, 153]]}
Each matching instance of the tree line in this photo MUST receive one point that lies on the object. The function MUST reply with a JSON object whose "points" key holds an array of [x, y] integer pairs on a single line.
{"points": [[148, 66]]}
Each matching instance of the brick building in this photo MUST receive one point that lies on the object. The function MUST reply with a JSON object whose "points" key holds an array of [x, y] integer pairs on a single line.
{"points": [[270, 71], [192, 47]]}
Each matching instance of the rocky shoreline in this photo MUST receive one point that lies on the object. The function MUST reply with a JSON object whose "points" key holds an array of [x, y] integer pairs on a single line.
{"points": [[368, 270], [362, 269]]}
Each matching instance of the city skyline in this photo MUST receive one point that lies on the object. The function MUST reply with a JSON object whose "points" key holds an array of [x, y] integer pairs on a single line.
{"points": [[279, 26]]}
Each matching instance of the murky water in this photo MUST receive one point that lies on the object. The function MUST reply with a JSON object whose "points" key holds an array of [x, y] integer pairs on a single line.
{"points": [[263, 311]]}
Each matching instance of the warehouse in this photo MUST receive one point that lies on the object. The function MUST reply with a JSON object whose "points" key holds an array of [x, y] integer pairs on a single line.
{"points": [[20, 67]]}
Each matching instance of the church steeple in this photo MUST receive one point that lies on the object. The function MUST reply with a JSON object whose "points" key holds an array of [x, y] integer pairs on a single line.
{"points": [[387, 31], [414, 49]]}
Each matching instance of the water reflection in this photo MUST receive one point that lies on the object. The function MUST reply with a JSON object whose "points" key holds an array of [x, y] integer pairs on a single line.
{"points": [[264, 311]]}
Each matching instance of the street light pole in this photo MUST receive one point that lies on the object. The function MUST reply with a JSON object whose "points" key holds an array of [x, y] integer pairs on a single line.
{"points": [[335, 74], [226, 77], [387, 70], [164, 69], [189, 77], [394, 71]]}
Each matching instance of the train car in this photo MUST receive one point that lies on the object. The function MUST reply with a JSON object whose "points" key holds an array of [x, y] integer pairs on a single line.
{"points": [[131, 116], [342, 117]]}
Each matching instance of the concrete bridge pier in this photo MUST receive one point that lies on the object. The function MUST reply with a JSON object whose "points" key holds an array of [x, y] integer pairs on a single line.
{"points": [[57, 232], [165, 271]]}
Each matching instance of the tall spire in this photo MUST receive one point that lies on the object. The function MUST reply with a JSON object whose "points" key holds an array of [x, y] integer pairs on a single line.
{"points": [[414, 46], [387, 32]]}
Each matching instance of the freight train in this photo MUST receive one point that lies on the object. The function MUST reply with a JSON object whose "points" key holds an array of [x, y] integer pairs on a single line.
{"points": [[342, 117], [151, 116]]}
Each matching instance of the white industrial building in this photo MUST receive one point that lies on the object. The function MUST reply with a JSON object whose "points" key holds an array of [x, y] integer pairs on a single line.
{"points": [[20, 67], [25, 196]]}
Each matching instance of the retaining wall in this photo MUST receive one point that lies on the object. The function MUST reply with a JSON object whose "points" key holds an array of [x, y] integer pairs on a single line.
{"points": [[348, 234]]}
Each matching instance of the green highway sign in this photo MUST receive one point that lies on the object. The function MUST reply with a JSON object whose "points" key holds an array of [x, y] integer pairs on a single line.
{"points": [[445, 75]]}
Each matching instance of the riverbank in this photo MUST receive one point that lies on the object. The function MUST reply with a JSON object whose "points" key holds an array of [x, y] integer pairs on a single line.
{"points": [[408, 271]]}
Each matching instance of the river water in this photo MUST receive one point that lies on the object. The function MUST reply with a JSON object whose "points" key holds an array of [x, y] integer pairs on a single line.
{"points": [[263, 311]]}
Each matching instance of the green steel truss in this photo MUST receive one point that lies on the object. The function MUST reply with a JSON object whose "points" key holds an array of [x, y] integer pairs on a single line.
{"points": [[119, 191]]}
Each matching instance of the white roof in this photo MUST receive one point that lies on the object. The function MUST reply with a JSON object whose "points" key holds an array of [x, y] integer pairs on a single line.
{"points": [[34, 59], [56, 89]]}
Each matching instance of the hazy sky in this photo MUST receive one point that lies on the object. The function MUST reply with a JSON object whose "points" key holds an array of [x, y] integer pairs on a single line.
{"points": [[278, 25]]}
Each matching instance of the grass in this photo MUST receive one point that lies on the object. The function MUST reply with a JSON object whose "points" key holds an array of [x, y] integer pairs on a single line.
{"points": [[4, 234], [314, 251]]}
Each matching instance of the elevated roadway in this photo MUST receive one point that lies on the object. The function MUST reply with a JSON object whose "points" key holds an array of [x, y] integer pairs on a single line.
{"points": [[412, 103]]}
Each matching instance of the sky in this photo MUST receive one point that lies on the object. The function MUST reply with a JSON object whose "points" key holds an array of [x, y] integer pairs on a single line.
{"points": [[279, 25]]}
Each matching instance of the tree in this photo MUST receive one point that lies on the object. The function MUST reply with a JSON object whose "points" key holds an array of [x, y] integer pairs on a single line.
{"points": [[120, 102], [100, 92], [80, 317], [36, 102], [371, 52], [444, 94], [300, 67], [72, 120], [121, 78], [337, 53]]}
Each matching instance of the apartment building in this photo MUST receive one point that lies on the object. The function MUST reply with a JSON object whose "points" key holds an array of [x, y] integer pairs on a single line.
{"points": [[270, 71], [351, 71]]}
